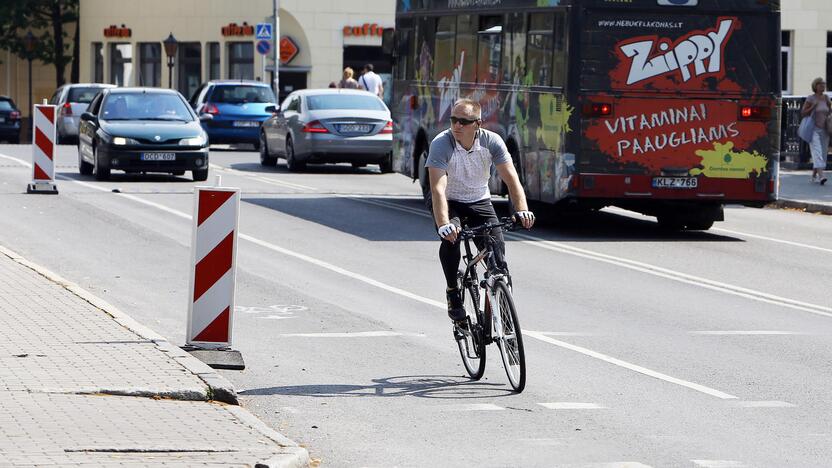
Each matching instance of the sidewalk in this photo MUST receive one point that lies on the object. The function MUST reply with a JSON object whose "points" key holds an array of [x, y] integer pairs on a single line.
{"points": [[84, 387], [797, 192]]}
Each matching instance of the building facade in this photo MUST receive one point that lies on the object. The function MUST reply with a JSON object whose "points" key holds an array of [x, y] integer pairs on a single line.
{"points": [[807, 43]]}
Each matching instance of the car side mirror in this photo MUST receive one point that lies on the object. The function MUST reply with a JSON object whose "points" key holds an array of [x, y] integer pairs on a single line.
{"points": [[88, 117], [271, 109], [206, 117]]}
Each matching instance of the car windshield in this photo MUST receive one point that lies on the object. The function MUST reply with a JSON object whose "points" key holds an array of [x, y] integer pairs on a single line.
{"points": [[344, 101], [6, 105], [145, 106], [238, 94], [84, 95]]}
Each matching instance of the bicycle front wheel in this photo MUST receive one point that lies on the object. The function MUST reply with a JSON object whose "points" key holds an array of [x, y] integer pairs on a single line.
{"points": [[471, 346], [511, 342]]}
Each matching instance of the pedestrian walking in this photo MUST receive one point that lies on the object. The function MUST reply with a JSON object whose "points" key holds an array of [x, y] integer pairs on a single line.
{"points": [[371, 82], [348, 82], [818, 106]]}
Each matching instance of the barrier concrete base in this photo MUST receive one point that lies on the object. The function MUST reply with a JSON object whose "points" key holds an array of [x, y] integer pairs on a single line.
{"points": [[47, 188], [221, 358]]}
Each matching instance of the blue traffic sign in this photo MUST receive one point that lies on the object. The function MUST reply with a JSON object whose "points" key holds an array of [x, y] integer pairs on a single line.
{"points": [[264, 47], [263, 31]]}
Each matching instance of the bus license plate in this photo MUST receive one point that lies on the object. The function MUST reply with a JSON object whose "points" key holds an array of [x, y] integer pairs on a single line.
{"points": [[158, 157], [675, 182], [353, 128], [246, 123]]}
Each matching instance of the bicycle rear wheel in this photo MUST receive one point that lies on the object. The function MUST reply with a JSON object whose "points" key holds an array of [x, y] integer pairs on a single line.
{"points": [[470, 343], [511, 343]]}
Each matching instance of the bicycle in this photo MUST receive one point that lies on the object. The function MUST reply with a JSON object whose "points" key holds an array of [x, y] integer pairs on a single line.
{"points": [[490, 317]]}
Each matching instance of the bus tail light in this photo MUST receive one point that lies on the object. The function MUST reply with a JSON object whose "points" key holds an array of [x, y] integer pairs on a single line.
{"points": [[597, 109], [388, 128], [314, 127], [755, 113]]}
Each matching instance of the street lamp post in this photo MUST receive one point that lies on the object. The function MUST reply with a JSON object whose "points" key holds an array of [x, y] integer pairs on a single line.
{"points": [[29, 41], [170, 49]]}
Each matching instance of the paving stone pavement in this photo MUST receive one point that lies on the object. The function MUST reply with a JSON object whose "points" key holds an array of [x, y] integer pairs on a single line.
{"points": [[78, 387]]}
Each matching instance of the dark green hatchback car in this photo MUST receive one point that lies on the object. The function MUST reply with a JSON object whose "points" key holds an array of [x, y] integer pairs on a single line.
{"points": [[140, 130]]}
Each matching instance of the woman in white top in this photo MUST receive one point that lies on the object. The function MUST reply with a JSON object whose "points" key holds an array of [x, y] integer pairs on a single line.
{"points": [[818, 106]]}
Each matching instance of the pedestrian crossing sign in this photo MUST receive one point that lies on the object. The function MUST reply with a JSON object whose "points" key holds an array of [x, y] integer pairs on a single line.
{"points": [[263, 31]]}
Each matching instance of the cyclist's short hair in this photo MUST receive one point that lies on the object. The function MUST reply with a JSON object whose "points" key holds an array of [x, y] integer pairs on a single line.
{"points": [[473, 106]]}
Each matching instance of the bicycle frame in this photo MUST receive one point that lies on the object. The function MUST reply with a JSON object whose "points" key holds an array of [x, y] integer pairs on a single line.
{"points": [[493, 320]]}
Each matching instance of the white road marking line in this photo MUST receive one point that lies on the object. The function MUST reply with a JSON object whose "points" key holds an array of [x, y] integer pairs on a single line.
{"points": [[568, 333], [765, 404], [17, 160], [632, 367], [772, 239], [619, 465], [275, 317], [633, 214], [719, 463], [418, 298], [745, 332], [569, 405], [368, 334], [675, 275], [258, 177], [472, 407]]}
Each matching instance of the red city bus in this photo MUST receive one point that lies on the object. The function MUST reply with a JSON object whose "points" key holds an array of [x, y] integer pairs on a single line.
{"points": [[665, 107]]}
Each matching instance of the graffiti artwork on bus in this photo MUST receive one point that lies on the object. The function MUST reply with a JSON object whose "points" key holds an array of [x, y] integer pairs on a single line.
{"points": [[653, 62], [659, 133]]}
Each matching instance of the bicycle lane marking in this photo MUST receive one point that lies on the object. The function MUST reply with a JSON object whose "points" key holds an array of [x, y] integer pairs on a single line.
{"points": [[409, 295]]}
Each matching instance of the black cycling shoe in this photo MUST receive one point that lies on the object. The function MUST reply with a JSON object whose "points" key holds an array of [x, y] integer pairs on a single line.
{"points": [[456, 310]]}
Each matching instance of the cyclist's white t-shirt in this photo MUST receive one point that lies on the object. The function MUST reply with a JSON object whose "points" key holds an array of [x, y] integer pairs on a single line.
{"points": [[468, 170]]}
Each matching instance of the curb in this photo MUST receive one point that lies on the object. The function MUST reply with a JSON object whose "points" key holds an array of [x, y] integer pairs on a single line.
{"points": [[218, 387], [808, 207], [296, 457]]}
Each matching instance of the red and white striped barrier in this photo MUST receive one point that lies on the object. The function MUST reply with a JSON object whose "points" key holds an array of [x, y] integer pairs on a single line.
{"points": [[43, 150], [213, 267]]}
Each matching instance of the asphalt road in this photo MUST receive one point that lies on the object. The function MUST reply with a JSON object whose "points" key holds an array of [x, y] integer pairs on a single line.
{"points": [[643, 348]]}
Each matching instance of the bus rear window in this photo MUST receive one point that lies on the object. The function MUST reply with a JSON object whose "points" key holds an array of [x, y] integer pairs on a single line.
{"points": [[680, 52]]}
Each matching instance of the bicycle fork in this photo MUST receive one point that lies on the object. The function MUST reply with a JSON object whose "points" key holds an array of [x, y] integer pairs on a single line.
{"points": [[492, 307]]}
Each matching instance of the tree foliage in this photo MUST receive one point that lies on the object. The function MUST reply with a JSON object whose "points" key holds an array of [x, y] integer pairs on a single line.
{"points": [[48, 21]]}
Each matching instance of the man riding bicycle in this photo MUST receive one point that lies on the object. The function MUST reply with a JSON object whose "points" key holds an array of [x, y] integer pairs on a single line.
{"points": [[459, 165]]}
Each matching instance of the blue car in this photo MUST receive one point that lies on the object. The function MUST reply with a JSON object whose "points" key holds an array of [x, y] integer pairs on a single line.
{"points": [[232, 111]]}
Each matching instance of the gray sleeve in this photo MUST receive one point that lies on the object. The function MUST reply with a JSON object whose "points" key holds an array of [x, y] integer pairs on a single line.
{"points": [[440, 152], [497, 147]]}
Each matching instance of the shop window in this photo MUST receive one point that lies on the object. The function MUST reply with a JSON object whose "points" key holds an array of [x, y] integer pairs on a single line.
{"points": [[121, 64], [240, 60], [490, 41], [786, 61], [150, 64], [539, 49], [189, 66], [97, 62], [213, 60]]}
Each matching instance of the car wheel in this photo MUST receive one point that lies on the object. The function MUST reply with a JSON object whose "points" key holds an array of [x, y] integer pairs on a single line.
{"points": [[266, 159], [84, 167], [386, 164], [200, 175], [100, 172], [291, 161], [15, 141]]}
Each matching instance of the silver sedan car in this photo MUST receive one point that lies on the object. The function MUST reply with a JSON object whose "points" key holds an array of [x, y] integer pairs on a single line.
{"points": [[328, 126], [72, 101]]}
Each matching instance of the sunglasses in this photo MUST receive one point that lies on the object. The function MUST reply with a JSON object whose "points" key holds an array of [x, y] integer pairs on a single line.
{"points": [[463, 122]]}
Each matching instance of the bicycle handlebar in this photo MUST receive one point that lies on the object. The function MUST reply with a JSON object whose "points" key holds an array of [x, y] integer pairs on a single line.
{"points": [[506, 223]]}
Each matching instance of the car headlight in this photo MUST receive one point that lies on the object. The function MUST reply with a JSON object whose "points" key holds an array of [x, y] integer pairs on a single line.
{"points": [[121, 141], [196, 141]]}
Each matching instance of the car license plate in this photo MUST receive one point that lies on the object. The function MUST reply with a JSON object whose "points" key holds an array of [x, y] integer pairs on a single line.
{"points": [[675, 182], [354, 128], [246, 123], [158, 157]]}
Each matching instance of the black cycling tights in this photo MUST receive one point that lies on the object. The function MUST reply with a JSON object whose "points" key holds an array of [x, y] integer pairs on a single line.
{"points": [[471, 215]]}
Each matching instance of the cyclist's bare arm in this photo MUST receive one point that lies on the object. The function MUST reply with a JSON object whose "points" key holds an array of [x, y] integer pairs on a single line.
{"points": [[515, 190], [438, 183]]}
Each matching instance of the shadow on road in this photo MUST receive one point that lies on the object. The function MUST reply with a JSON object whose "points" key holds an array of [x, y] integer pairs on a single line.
{"points": [[123, 177], [403, 219], [423, 386], [334, 169]]}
